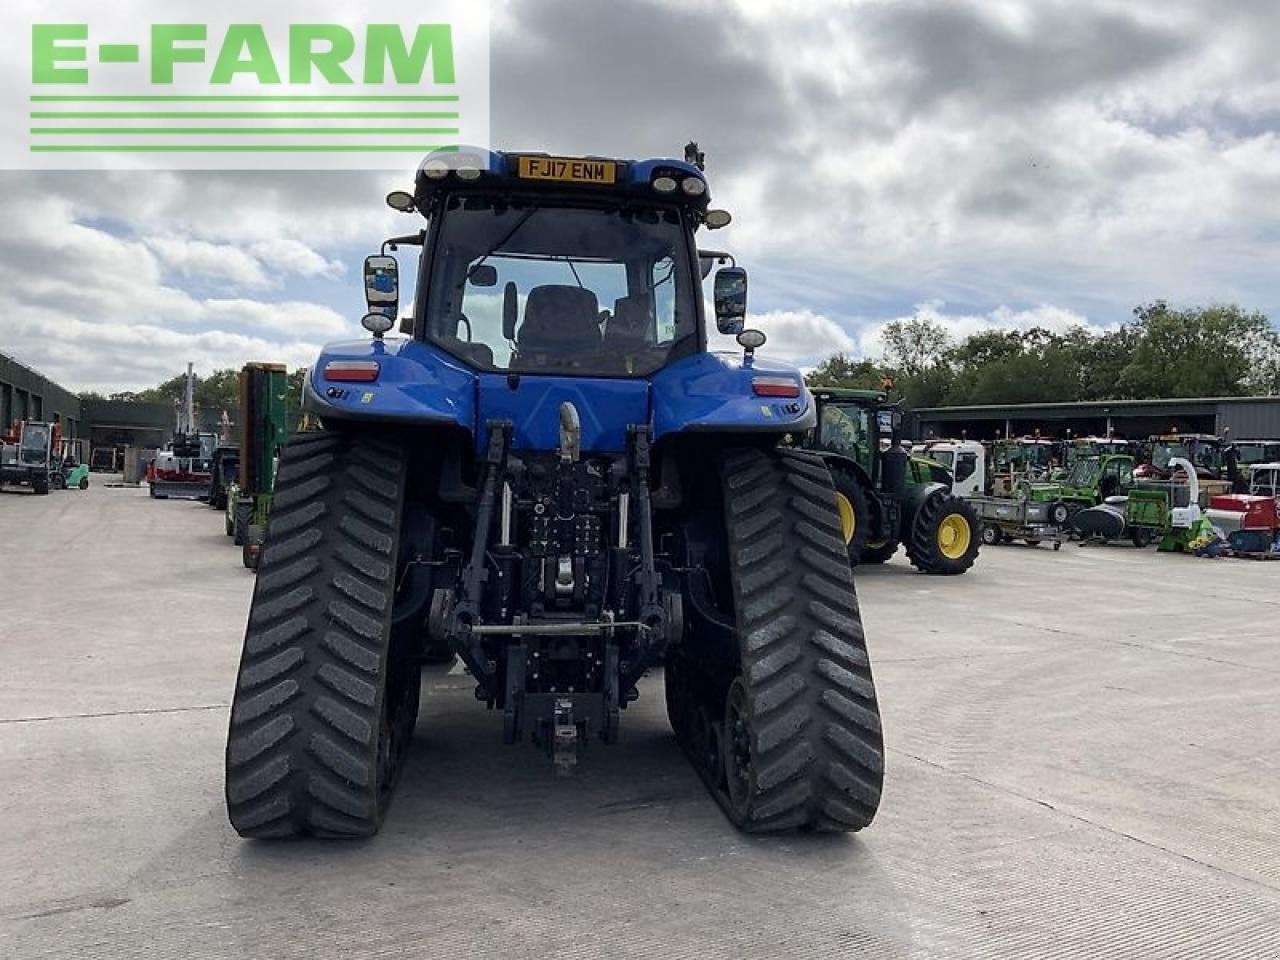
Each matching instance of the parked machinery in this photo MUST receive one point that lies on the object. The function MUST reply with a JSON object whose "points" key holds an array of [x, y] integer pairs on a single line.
{"points": [[26, 456], [264, 393], [565, 497], [184, 469], [70, 471], [1017, 459], [1203, 450], [886, 496]]}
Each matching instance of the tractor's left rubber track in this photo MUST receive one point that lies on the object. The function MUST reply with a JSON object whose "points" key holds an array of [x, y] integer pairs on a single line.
{"points": [[793, 741], [324, 706]]}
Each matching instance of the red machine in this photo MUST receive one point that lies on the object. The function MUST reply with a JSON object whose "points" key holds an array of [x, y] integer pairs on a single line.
{"points": [[1244, 511], [185, 470]]}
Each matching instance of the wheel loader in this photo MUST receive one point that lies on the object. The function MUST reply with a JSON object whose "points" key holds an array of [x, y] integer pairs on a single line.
{"points": [[552, 474]]}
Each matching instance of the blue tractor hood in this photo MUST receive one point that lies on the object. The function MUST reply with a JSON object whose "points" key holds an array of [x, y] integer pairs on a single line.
{"points": [[417, 383]]}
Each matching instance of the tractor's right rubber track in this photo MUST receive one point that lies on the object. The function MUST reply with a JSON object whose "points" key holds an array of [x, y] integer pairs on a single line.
{"points": [[303, 748], [817, 752]]}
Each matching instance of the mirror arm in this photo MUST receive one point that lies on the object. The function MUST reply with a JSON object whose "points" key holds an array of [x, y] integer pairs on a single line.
{"points": [[418, 239]]}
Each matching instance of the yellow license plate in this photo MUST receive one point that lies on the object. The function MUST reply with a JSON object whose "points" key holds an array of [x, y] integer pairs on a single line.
{"points": [[565, 170]]}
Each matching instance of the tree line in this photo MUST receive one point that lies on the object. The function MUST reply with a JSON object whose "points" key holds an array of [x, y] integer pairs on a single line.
{"points": [[1162, 352], [213, 394]]}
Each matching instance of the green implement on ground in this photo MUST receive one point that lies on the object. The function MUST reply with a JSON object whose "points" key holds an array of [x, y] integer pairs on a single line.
{"points": [[885, 496], [264, 391]]}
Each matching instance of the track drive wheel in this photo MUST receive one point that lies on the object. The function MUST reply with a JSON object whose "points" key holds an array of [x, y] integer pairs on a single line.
{"points": [[944, 537], [854, 512], [792, 741], [325, 703]]}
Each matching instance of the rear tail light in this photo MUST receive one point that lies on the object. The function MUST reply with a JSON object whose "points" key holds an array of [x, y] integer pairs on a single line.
{"points": [[351, 371], [775, 387]]}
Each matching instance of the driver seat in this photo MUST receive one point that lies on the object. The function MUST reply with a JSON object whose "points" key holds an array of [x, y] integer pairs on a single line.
{"points": [[559, 320]]}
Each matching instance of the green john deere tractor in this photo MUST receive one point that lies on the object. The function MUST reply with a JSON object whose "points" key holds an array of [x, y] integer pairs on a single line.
{"points": [[885, 496]]}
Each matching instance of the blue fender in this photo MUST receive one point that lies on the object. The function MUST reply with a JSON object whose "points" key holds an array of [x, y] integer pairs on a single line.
{"points": [[416, 384], [712, 393]]}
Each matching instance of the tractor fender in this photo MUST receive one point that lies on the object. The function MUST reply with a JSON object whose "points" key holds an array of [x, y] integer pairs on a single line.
{"points": [[715, 393], [916, 497], [416, 384], [836, 462]]}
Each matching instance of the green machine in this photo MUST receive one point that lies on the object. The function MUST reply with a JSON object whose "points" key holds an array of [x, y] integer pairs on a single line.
{"points": [[264, 391], [1018, 459], [1093, 479], [70, 469], [886, 497]]}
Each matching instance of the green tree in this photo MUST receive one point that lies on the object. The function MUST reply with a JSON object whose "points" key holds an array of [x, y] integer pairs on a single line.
{"points": [[842, 371], [915, 344], [1199, 352]]}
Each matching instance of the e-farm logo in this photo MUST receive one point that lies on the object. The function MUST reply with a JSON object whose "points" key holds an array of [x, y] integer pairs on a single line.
{"points": [[269, 91]]}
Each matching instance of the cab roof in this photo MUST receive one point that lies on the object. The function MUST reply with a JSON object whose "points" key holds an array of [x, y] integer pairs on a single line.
{"points": [[479, 171], [848, 393]]}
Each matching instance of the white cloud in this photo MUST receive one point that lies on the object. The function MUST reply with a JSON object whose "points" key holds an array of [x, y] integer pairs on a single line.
{"points": [[210, 261], [870, 340], [94, 310], [801, 337]]}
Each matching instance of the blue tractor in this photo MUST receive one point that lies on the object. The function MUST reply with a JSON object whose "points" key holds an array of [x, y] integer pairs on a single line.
{"points": [[550, 475]]}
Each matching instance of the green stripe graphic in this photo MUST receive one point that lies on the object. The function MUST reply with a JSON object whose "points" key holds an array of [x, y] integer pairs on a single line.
{"points": [[234, 115], [230, 148], [221, 98], [245, 131]]}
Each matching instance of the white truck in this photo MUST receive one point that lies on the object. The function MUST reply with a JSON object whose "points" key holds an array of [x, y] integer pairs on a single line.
{"points": [[967, 461]]}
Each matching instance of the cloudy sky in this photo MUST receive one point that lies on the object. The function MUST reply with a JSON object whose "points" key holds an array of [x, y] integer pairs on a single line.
{"points": [[986, 162]]}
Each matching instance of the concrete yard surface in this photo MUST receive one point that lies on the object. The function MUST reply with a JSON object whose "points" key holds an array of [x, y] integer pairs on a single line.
{"points": [[1084, 753]]}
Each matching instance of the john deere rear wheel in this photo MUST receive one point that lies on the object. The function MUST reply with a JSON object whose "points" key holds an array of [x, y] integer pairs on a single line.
{"points": [[878, 551], [944, 538], [854, 513], [325, 702]]}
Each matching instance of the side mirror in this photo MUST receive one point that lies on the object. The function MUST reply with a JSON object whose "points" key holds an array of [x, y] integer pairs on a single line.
{"points": [[382, 285], [483, 275], [406, 325], [731, 299]]}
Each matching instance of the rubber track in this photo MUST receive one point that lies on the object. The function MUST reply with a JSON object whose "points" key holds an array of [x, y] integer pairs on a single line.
{"points": [[922, 543], [818, 751], [302, 749]]}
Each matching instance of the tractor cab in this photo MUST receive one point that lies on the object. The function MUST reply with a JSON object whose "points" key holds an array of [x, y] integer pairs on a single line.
{"points": [[1093, 479], [1203, 450], [1264, 480], [1018, 459], [1078, 447], [1253, 453], [849, 425], [28, 458]]}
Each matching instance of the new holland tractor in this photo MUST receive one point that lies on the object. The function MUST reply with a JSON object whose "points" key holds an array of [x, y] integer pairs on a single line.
{"points": [[552, 474], [887, 497]]}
